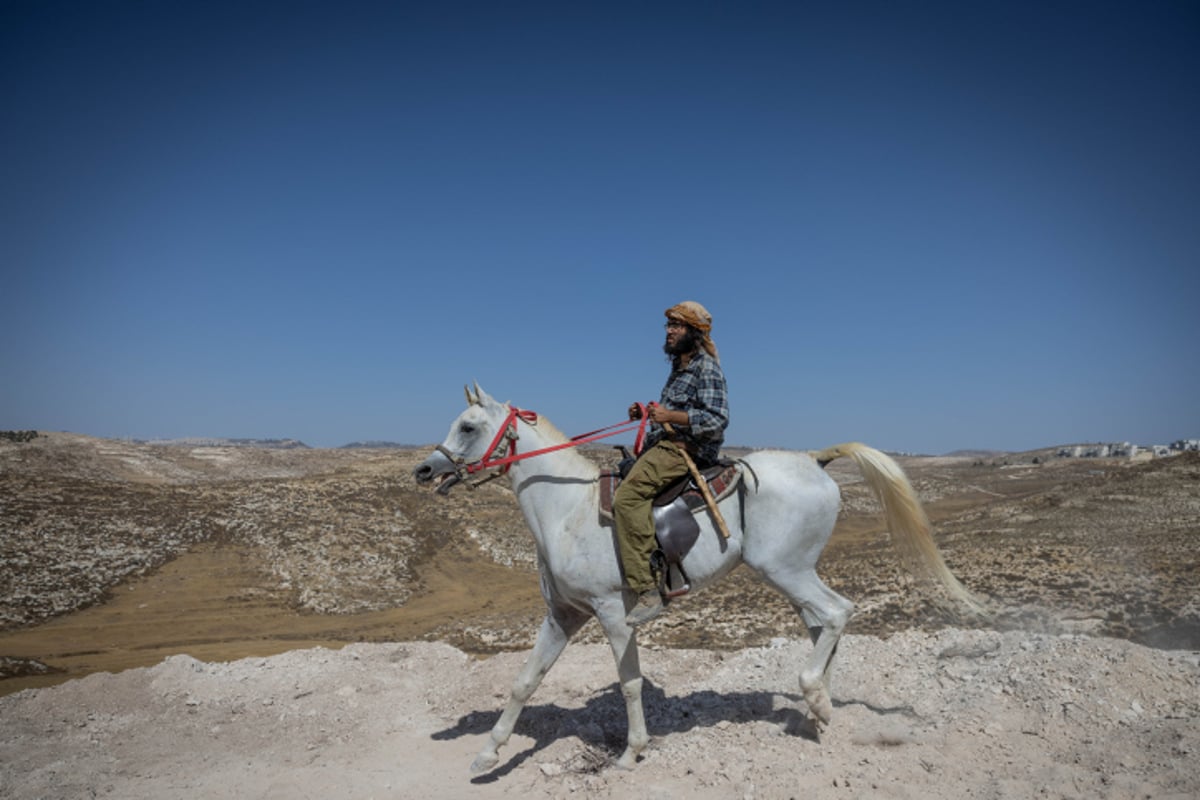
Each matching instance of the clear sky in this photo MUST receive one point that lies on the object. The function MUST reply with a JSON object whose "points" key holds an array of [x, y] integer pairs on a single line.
{"points": [[927, 226]]}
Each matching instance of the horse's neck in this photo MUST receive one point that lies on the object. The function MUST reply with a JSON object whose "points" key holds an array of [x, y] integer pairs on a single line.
{"points": [[552, 484], [567, 463]]}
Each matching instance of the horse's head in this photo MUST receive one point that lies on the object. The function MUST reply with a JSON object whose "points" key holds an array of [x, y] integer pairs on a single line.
{"points": [[470, 435]]}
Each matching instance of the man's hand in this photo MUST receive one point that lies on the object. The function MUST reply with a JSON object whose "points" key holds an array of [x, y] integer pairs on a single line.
{"points": [[635, 411], [663, 416]]}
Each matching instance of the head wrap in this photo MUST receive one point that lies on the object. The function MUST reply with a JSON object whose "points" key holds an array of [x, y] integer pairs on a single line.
{"points": [[692, 313]]}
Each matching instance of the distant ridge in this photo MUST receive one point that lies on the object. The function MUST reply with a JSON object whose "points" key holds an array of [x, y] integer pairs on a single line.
{"points": [[378, 445], [205, 441]]}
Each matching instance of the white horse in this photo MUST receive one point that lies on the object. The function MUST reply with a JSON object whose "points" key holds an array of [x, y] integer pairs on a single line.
{"points": [[791, 505]]}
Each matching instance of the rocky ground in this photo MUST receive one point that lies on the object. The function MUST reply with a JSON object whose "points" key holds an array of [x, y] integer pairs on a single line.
{"points": [[116, 555], [952, 714]]}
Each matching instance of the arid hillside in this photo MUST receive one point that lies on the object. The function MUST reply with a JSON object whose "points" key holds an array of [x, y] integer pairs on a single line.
{"points": [[185, 621], [118, 554]]}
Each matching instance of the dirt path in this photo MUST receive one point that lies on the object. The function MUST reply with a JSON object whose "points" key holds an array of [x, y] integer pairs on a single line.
{"points": [[209, 604]]}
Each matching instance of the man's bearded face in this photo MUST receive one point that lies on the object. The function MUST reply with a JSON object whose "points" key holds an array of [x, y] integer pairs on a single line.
{"points": [[681, 341]]}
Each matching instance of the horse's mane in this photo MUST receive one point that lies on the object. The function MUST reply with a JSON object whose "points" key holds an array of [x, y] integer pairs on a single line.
{"points": [[550, 432]]}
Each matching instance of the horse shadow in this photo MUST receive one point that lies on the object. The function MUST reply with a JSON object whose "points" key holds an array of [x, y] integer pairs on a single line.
{"points": [[601, 724]]}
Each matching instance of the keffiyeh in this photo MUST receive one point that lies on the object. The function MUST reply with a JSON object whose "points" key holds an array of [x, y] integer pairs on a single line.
{"points": [[692, 313]]}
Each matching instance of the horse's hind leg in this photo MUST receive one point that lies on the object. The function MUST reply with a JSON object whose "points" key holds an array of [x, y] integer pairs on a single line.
{"points": [[826, 613], [556, 631], [815, 631]]}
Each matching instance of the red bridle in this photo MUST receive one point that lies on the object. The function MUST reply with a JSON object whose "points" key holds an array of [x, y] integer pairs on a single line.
{"points": [[506, 438], [502, 453]]}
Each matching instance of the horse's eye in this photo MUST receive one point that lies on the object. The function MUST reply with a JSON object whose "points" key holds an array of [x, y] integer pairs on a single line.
{"points": [[466, 428]]}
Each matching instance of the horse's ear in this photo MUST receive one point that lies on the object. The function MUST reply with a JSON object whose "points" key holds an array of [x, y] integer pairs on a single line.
{"points": [[482, 397], [471, 401]]}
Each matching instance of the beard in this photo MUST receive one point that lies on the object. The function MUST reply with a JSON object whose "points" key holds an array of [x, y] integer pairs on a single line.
{"points": [[686, 343]]}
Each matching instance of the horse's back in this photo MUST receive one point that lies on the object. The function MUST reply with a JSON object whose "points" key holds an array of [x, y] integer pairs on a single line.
{"points": [[787, 474], [791, 508], [783, 516]]}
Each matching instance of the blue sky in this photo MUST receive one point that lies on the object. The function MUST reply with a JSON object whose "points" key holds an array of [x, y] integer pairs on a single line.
{"points": [[926, 226]]}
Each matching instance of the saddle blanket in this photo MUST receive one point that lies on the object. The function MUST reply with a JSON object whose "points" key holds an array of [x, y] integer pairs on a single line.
{"points": [[723, 480]]}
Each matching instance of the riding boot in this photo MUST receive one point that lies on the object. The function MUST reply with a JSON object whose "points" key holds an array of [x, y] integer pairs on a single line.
{"points": [[649, 605]]}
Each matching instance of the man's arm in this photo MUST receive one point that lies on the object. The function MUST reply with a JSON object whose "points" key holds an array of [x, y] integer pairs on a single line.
{"points": [[661, 415], [709, 413]]}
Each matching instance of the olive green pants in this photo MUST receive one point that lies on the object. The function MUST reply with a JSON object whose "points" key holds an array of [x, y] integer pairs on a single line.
{"points": [[656, 468]]}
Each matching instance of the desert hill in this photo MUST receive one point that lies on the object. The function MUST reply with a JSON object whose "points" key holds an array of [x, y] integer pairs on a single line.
{"points": [[339, 614]]}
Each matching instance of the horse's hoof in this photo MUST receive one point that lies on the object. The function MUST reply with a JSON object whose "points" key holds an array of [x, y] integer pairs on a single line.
{"points": [[484, 762], [820, 706], [627, 761]]}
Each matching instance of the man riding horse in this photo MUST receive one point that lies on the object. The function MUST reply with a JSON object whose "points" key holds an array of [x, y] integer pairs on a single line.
{"points": [[689, 421], [785, 518]]}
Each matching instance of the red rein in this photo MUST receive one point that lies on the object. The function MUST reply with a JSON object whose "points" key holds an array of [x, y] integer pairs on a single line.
{"points": [[509, 431]]}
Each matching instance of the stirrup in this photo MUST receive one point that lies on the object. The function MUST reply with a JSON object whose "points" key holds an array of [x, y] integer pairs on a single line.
{"points": [[662, 570]]}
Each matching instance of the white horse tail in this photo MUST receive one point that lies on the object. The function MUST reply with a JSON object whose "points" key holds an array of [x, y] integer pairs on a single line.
{"points": [[908, 525]]}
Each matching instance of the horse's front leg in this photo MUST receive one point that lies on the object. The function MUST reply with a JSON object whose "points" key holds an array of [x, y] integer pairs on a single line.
{"points": [[556, 631], [629, 672]]}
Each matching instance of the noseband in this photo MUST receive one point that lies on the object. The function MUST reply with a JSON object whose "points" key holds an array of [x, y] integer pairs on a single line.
{"points": [[500, 454]]}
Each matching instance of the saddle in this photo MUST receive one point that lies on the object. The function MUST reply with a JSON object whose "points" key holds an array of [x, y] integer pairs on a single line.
{"points": [[675, 526]]}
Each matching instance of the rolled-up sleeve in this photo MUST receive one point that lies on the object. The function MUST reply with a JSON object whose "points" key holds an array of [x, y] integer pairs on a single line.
{"points": [[708, 413]]}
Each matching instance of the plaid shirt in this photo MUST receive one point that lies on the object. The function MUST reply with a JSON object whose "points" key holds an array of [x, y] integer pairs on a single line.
{"points": [[699, 389]]}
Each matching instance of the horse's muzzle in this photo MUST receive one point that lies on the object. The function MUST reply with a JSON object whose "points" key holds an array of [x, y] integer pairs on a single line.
{"points": [[438, 465]]}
